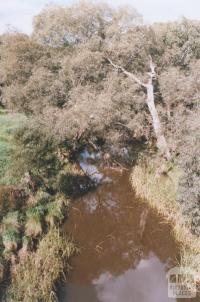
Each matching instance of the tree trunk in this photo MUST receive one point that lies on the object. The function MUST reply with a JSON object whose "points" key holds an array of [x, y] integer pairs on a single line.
{"points": [[161, 141]]}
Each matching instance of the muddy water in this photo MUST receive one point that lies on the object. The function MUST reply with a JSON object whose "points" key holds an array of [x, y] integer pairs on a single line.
{"points": [[126, 249]]}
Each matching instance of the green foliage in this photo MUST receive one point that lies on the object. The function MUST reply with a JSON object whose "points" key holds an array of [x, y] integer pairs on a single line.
{"points": [[11, 238], [36, 154]]}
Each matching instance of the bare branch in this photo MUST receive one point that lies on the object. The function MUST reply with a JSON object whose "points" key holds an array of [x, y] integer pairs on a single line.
{"points": [[152, 68], [129, 74]]}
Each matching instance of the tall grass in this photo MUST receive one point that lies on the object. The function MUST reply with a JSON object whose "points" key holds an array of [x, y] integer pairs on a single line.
{"points": [[34, 221], [157, 183], [57, 211], [35, 277]]}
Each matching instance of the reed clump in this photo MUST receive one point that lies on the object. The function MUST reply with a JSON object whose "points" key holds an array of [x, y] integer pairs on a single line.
{"points": [[33, 227], [57, 210], [10, 231]]}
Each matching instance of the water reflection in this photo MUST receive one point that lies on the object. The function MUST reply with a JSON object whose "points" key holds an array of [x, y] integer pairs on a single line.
{"points": [[90, 169], [126, 249], [145, 283]]}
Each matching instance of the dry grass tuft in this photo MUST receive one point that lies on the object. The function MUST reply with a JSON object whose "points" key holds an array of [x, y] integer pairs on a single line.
{"points": [[35, 277], [11, 220], [33, 227]]}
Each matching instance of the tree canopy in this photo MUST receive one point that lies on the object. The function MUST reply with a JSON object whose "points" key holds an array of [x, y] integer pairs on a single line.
{"points": [[61, 75]]}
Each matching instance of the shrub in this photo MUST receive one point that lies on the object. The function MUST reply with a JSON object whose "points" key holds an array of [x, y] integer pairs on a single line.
{"points": [[36, 154]]}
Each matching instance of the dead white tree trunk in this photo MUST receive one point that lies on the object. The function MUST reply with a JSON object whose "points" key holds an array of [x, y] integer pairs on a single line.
{"points": [[150, 101]]}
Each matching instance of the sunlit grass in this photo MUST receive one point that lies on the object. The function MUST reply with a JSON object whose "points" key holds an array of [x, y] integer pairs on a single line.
{"points": [[8, 125]]}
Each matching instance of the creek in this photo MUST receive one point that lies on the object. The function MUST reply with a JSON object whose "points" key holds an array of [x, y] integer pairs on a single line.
{"points": [[126, 247]]}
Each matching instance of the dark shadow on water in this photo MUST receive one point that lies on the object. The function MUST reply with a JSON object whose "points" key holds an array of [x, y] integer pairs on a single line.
{"points": [[75, 186]]}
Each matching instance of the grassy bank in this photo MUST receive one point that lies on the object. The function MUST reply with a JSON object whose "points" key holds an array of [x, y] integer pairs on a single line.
{"points": [[33, 250], [157, 183], [35, 276], [9, 122]]}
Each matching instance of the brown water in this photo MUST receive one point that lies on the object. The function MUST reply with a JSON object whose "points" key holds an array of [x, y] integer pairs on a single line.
{"points": [[126, 248]]}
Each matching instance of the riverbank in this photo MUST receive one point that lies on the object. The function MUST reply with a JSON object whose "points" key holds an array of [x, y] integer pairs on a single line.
{"points": [[34, 254], [34, 249], [156, 182]]}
